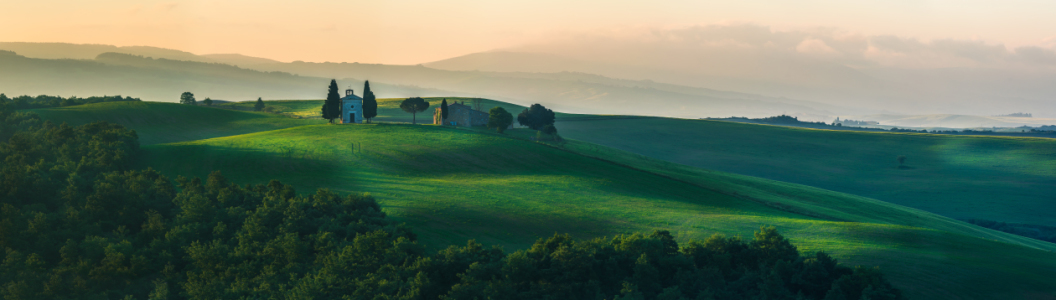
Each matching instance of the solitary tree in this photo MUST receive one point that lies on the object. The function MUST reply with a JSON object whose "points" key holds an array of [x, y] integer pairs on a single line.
{"points": [[207, 101], [443, 111], [535, 117], [259, 106], [414, 106], [332, 105], [187, 98], [370, 104], [901, 160], [500, 119]]}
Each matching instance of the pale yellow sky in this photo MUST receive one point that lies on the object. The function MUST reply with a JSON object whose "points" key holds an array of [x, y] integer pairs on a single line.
{"points": [[409, 32]]}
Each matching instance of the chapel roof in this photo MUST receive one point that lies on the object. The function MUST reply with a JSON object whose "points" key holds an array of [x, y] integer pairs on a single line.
{"points": [[352, 97]]}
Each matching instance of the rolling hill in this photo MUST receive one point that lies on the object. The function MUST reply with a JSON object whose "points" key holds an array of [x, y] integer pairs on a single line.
{"points": [[159, 74], [162, 79], [454, 184], [1007, 179], [964, 177], [158, 123]]}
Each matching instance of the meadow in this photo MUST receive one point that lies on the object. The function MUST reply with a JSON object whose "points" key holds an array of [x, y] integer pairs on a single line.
{"points": [[453, 184], [1006, 179], [168, 122]]}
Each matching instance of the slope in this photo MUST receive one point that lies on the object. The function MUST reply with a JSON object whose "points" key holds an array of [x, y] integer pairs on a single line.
{"points": [[453, 185], [995, 178], [962, 177], [157, 123]]}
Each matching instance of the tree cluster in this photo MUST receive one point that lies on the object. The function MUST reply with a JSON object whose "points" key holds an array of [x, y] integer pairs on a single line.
{"points": [[536, 117], [1038, 232], [654, 266], [188, 98], [45, 101], [499, 118]]}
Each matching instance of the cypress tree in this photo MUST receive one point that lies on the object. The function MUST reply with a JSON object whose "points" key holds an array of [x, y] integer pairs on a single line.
{"points": [[370, 104], [259, 106], [332, 105], [443, 110]]}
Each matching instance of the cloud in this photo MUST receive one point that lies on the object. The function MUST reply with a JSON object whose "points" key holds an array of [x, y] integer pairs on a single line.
{"points": [[814, 46], [752, 41], [1049, 42]]}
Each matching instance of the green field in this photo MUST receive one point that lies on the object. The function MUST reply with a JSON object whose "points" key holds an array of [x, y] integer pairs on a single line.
{"points": [[996, 178], [964, 177], [157, 122], [454, 184]]}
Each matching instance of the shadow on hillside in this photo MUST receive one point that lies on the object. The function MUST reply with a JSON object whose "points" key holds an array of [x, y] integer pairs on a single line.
{"points": [[504, 163], [242, 165], [957, 176]]}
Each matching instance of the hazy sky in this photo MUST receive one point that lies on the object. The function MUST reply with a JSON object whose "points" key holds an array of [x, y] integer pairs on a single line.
{"points": [[408, 31]]}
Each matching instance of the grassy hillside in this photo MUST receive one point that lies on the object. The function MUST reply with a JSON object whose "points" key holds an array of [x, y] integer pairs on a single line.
{"points": [[963, 177], [453, 184], [169, 122], [995, 178]]}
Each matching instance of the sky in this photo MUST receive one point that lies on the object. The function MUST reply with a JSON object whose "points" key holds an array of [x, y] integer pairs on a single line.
{"points": [[421, 31]]}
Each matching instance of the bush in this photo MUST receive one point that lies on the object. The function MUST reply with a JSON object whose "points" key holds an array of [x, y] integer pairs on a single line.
{"points": [[499, 119], [536, 117]]}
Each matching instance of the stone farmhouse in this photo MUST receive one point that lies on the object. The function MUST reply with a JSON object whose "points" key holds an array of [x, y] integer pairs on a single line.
{"points": [[460, 114]]}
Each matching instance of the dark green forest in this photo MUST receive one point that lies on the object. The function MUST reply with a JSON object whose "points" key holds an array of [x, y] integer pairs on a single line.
{"points": [[78, 223], [45, 101]]}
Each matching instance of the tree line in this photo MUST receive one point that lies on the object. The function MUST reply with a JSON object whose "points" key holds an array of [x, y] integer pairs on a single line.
{"points": [[45, 101]]}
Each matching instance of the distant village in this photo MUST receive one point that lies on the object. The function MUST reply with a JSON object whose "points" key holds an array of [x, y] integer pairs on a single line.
{"points": [[839, 122]]}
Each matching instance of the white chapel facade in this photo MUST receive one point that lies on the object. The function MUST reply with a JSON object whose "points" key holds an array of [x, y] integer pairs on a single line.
{"points": [[351, 108]]}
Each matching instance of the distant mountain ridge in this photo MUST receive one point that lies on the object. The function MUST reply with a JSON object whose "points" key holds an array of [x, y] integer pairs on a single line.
{"points": [[164, 79], [91, 51], [863, 85], [956, 121], [565, 91]]}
